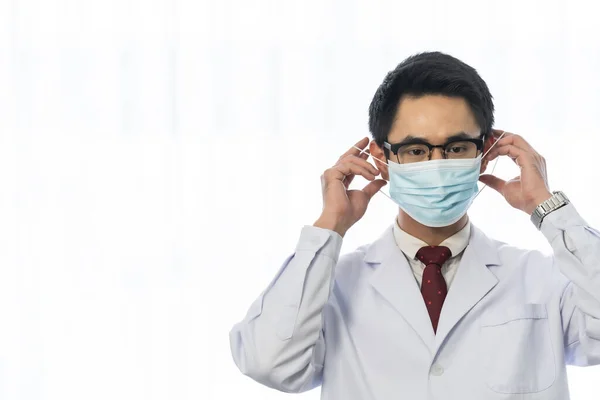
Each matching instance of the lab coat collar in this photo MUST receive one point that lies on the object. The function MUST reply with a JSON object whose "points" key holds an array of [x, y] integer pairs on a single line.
{"points": [[394, 280]]}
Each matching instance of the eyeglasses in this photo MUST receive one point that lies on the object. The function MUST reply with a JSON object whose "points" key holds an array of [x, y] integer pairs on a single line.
{"points": [[422, 151]]}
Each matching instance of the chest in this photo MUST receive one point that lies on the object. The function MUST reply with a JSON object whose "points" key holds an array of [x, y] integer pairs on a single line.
{"points": [[508, 341]]}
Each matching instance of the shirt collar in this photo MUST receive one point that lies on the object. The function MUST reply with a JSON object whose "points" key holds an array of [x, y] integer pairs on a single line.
{"points": [[410, 245]]}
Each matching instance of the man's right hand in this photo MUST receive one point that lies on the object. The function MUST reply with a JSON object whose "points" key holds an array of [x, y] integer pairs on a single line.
{"points": [[342, 207]]}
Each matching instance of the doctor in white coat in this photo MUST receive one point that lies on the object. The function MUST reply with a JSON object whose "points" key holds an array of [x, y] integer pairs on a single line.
{"points": [[433, 309]]}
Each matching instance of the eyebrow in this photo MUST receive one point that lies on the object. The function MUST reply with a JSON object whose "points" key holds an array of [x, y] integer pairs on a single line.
{"points": [[413, 139]]}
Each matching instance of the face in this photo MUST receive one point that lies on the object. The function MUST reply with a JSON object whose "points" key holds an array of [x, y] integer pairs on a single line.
{"points": [[434, 119]]}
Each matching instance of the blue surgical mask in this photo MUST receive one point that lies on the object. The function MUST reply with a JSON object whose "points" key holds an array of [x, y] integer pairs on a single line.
{"points": [[435, 193]]}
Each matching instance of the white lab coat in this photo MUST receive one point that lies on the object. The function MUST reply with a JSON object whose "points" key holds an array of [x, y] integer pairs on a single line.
{"points": [[513, 319]]}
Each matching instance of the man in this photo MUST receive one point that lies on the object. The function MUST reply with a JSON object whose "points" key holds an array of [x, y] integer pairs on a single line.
{"points": [[433, 309]]}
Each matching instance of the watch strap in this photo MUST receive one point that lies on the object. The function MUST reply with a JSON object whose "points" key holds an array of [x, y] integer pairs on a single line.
{"points": [[558, 200]]}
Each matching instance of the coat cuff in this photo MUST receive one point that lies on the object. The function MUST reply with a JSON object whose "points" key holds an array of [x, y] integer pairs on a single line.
{"points": [[560, 220], [320, 241]]}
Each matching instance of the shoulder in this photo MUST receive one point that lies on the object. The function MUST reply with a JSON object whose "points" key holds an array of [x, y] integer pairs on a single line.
{"points": [[352, 260], [359, 264], [513, 254], [527, 265], [369, 253], [499, 252]]}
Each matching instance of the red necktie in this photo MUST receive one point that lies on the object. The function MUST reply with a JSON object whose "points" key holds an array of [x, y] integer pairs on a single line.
{"points": [[433, 287]]}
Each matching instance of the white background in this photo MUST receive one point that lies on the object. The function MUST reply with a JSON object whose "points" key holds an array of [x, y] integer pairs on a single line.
{"points": [[159, 157]]}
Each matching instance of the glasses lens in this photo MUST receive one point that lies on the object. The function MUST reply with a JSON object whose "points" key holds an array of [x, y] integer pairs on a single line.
{"points": [[461, 150], [413, 153]]}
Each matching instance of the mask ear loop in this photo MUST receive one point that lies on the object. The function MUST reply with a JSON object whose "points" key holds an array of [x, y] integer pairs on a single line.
{"points": [[376, 159], [495, 163]]}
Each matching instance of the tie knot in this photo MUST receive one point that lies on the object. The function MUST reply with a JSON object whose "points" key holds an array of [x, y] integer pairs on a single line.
{"points": [[434, 255]]}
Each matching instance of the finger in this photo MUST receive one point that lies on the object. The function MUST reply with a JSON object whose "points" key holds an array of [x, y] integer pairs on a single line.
{"points": [[374, 187], [354, 150], [365, 154], [360, 161], [357, 168], [497, 133], [491, 155], [493, 181], [518, 155], [511, 138], [348, 180], [346, 171]]}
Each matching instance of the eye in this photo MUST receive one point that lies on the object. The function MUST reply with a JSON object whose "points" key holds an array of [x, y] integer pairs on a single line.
{"points": [[413, 152], [456, 149], [416, 152], [460, 147]]}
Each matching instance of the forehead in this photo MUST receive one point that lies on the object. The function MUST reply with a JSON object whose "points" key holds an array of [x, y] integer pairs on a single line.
{"points": [[433, 118]]}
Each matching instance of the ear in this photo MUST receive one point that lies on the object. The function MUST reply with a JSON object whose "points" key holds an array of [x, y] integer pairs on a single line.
{"points": [[486, 146], [378, 153]]}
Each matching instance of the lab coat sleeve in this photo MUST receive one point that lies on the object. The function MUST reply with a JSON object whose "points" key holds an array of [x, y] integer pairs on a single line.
{"points": [[576, 249], [280, 342]]}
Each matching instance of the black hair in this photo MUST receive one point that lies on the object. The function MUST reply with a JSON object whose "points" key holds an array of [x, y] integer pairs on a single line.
{"points": [[429, 73]]}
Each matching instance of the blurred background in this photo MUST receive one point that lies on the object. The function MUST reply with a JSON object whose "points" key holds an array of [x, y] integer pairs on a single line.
{"points": [[158, 159]]}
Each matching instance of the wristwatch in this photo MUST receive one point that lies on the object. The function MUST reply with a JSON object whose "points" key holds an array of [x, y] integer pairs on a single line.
{"points": [[558, 200]]}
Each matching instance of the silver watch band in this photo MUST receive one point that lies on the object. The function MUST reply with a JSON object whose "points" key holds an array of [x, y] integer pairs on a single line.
{"points": [[558, 200]]}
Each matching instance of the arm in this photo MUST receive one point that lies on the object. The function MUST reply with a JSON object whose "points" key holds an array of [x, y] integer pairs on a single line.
{"points": [[576, 246], [577, 255], [280, 342]]}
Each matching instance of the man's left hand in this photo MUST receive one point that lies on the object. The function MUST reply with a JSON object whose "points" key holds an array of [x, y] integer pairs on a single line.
{"points": [[530, 189]]}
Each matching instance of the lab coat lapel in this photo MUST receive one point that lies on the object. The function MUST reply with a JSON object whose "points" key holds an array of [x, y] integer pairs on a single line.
{"points": [[472, 282], [393, 279]]}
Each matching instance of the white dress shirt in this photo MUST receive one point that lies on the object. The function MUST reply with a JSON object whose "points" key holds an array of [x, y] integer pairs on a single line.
{"points": [[410, 245]]}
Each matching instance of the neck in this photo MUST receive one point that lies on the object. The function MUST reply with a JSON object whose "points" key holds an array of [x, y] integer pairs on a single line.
{"points": [[431, 236]]}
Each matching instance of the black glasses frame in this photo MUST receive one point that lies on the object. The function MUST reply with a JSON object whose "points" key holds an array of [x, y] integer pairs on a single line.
{"points": [[394, 148]]}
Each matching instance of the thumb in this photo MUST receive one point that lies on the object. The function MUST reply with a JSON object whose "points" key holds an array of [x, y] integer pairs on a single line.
{"points": [[374, 187], [493, 181]]}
